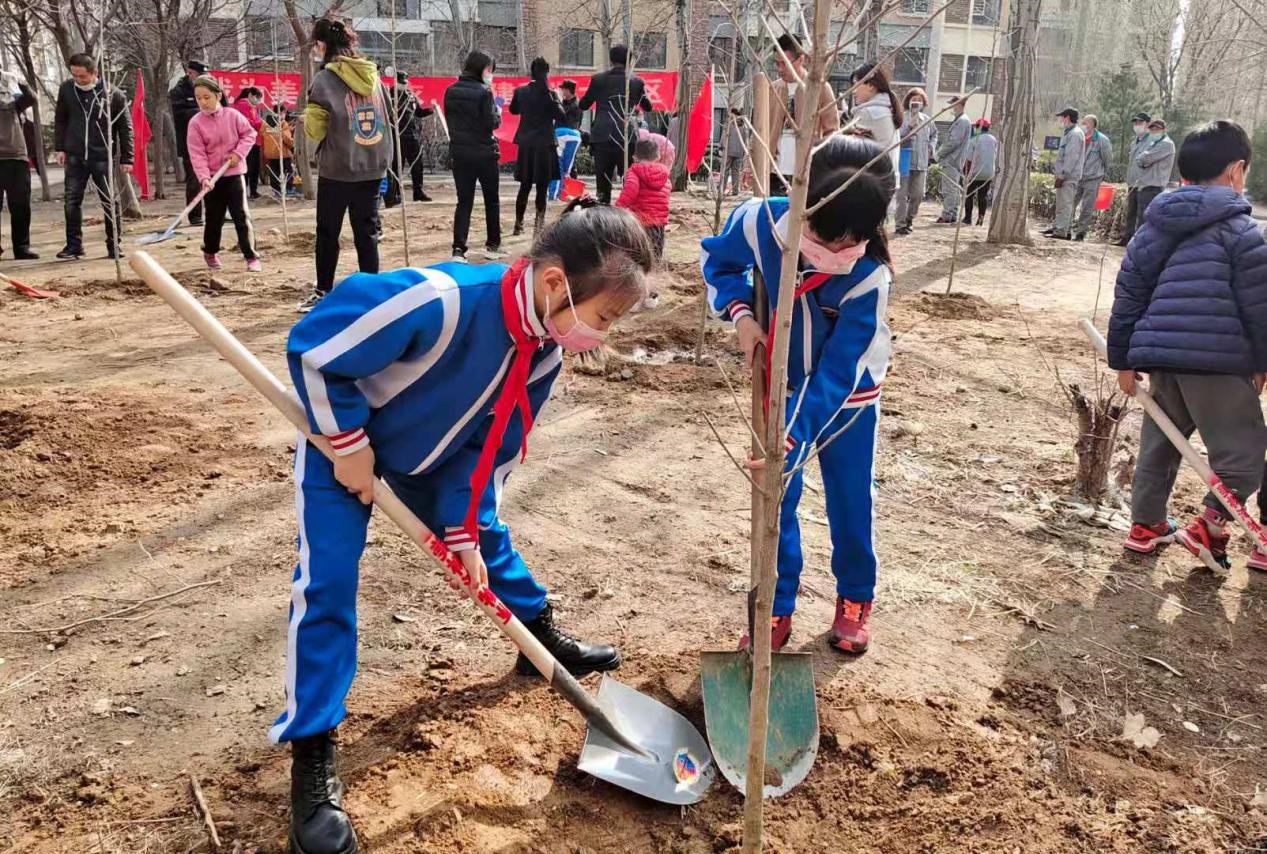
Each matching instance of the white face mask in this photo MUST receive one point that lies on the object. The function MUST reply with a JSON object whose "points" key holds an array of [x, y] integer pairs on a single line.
{"points": [[917, 105], [1139, 129]]}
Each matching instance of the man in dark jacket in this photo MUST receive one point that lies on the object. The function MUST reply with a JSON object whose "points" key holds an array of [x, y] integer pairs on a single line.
{"points": [[409, 115], [90, 123], [184, 108], [610, 139], [15, 172], [1191, 311], [572, 111]]}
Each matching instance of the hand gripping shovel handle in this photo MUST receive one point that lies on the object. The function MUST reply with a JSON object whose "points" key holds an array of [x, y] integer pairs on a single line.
{"points": [[1189, 453], [236, 354]]}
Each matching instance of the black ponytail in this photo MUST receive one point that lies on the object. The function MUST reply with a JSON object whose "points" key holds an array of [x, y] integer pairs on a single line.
{"points": [[336, 36], [859, 211], [602, 249], [877, 77]]}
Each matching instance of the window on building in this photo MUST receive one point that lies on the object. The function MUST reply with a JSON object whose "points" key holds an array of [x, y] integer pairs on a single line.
{"points": [[910, 64], [978, 74], [721, 52], [377, 45], [651, 50], [959, 11], [220, 41], [951, 77], [576, 48], [391, 8], [985, 12], [499, 13], [916, 7]]}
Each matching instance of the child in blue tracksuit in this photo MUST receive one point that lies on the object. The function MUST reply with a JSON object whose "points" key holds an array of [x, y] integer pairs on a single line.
{"points": [[837, 359], [431, 378]]}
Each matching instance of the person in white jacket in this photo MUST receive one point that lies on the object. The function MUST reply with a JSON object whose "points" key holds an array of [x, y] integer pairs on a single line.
{"points": [[877, 113]]}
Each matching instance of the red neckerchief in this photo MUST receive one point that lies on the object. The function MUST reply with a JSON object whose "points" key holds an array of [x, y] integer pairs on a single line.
{"points": [[514, 393], [809, 283]]}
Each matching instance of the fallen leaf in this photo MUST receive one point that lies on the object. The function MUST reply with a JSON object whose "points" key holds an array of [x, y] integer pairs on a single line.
{"points": [[215, 690], [1134, 731], [1068, 708], [404, 618], [1191, 727], [125, 742], [157, 635], [101, 706], [1259, 799], [130, 710]]}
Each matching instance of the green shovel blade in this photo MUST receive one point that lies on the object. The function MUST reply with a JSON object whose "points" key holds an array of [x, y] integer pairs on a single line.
{"points": [[792, 734]]}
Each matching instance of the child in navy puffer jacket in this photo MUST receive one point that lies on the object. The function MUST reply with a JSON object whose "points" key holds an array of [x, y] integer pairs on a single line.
{"points": [[1191, 311]]}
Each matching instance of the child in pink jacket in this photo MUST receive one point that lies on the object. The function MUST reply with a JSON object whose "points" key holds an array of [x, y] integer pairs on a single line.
{"points": [[216, 135]]}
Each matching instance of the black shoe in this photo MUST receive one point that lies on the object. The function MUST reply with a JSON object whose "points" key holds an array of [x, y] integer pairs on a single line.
{"points": [[112, 252], [903, 229], [70, 253], [577, 656], [967, 220], [421, 197], [1079, 237], [318, 824], [980, 220], [1122, 243], [195, 223], [518, 229], [25, 254], [1047, 232], [1058, 235], [538, 223]]}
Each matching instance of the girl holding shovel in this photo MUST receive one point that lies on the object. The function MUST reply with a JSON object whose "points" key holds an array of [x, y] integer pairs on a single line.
{"points": [[218, 135], [837, 359], [431, 378]]}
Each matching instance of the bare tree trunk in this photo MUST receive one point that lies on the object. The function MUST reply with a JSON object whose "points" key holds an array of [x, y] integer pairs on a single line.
{"points": [[1009, 224], [682, 15], [1098, 420], [28, 65], [772, 475]]}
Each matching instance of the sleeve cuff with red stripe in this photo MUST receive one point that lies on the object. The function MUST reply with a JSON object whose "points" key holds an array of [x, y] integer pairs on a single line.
{"points": [[789, 444], [349, 441], [738, 310], [458, 539]]}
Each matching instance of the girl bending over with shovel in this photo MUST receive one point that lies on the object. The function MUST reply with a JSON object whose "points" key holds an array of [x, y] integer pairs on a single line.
{"points": [[837, 358], [431, 378]]}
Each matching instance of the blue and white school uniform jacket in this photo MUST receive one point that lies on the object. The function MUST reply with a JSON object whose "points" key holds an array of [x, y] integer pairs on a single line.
{"points": [[840, 345], [411, 362]]}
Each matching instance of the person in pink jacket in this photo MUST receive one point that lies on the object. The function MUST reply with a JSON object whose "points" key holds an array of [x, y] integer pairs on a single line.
{"points": [[667, 151], [248, 104], [646, 192], [218, 135]]}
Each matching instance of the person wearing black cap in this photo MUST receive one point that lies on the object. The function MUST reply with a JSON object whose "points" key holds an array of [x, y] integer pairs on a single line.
{"points": [[1139, 124], [409, 114], [1068, 171], [184, 108]]}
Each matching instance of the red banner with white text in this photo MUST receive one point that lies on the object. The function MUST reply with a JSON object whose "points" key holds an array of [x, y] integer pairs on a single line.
{"points": [[284, 88]]}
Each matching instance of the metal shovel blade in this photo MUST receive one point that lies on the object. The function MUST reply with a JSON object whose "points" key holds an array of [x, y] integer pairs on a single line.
{"points": [[792, 736], [155, 237], [680, 769]]}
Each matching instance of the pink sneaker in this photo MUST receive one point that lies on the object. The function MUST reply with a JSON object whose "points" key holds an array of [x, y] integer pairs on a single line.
{"points": [[1146, 539], [850, 631], [253, 265], [780, 633], [212, 259], [1206, 539], [1258, 560]]}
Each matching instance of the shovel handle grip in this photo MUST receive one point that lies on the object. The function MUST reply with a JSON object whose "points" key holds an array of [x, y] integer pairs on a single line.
{"points": [[1199, 464], [267, 384]]}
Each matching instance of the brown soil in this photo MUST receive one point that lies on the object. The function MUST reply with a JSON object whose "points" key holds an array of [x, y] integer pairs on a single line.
{"points": [[1011, 639]]}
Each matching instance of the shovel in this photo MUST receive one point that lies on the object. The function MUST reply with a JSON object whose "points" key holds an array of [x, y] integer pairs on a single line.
{"points": [[633, 741], [170, 231], [26, 290], [1190, 454], [726, 677]]}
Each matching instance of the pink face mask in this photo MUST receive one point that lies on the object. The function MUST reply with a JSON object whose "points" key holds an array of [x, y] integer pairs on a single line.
{"points": [[820, 258], [581, 337]]}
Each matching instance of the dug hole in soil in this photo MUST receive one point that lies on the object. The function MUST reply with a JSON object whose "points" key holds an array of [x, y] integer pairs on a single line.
{"points": [[1029, 689]]}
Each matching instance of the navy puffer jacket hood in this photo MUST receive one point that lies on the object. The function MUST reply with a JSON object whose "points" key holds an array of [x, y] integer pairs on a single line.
{"points": [[1192, 291]]}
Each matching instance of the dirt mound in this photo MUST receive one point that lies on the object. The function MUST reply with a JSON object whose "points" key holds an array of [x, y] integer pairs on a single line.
{"points": [[954, 306]]}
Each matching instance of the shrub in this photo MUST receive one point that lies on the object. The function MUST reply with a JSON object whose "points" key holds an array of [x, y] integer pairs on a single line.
{"points": [[1046, 162], [935, 173], [1256, 182]]}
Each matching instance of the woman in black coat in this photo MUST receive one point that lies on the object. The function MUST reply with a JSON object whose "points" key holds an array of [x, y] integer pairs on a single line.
{"points": [[472, 115], [539, 109]]}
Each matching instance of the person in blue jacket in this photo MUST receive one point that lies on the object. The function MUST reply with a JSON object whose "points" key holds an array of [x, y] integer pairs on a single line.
{"points": [[431, 378], [837, 359], [1190, 310]]}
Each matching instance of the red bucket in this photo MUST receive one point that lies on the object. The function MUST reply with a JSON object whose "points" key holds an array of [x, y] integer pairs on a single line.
{"points": [[1104, 199], [573, 188]]}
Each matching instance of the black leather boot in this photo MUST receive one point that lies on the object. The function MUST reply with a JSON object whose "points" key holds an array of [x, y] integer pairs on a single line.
{"points": [[518, 229], [318, 824], [577, 656], [538, 223]]}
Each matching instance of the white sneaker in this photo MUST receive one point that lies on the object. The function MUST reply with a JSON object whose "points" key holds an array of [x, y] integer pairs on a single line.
{"points": [[458, 257], [310, 302], [492, 253]]}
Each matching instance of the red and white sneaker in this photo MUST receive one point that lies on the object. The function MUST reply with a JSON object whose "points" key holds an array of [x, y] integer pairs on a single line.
{"points": [[253, 265], [850, 631], [780, 633], [1205, 538], [1258, 560], [212, 259], [1146, 539]]}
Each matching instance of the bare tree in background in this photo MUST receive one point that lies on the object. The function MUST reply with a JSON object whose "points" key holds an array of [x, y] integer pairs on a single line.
{"points": [[1010, 221], [18, 28]]}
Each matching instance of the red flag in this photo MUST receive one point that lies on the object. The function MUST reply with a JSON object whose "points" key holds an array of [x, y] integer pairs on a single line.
{"points": [[699, 128], [141, 137]]}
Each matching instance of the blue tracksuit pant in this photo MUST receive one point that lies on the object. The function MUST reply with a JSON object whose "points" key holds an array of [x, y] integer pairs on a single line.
{"points": [[570, 145], [847, 466], [321, 638]]}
